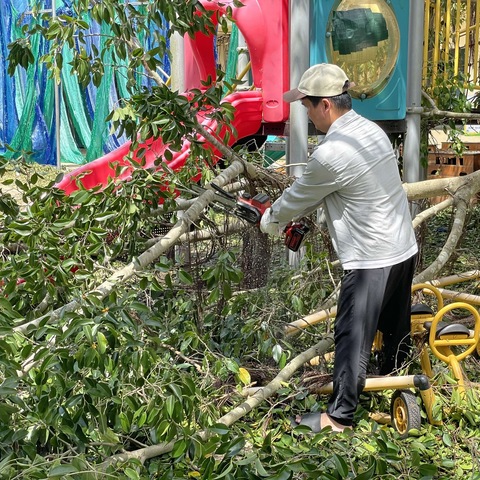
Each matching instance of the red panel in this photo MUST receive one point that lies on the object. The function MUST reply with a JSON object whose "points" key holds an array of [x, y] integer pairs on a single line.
{"points": [[264, 25]]}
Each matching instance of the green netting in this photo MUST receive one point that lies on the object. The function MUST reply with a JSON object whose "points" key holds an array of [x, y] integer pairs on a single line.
{"points": [[75, 102], [102, 109], [68, 148], [26, 104], [232, 59], [27, 99]]}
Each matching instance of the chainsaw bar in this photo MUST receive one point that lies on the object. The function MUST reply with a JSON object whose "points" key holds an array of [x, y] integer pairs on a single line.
{"points": [[244, 207]]}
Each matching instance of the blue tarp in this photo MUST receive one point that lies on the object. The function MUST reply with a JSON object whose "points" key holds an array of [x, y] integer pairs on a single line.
{"points": [[27, 108]]}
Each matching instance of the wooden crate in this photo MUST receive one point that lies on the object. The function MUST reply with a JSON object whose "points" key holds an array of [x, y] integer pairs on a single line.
{"points": [[447, 164]]}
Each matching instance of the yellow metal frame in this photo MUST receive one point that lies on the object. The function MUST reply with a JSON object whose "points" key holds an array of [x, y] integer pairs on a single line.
{"points": [[442, 347], [456, 26], [399, 382]]}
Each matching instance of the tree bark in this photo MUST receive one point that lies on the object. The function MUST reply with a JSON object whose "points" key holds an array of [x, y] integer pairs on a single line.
{"points": [[462, 200]]}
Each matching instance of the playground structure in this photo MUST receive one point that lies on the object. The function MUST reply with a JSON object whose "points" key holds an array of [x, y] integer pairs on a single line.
{"points": [[260, 109], [269, 29], [30, 123], [437, 337]]}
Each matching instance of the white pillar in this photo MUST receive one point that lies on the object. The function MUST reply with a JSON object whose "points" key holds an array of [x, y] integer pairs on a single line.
{"points": [[297, 141], [177, 74], [413, 172], [243, 58]]}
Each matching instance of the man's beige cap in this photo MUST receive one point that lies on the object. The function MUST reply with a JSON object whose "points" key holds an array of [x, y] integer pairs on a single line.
{"points": [[322, 80]]}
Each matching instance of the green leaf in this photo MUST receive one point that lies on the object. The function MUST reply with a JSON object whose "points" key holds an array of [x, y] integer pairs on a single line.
{"points": [[9, 386], [125, 422], [284, 474], [367, 474], [60, 470], [102, 343], [219, 428], [260, 468], [177, 390], [341, 465], [428, 470], [140, 307], [170, 405], [226, 471], [23, 230], [131, 473], [185, 277], [231, 365], [248, 460], [447, 440], [179, 448], [227, 291]]}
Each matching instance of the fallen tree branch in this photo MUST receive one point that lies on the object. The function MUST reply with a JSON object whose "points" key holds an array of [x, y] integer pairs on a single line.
{"points": [[430, 212], [144, 454], [441, 186], [202, 235], [454, 279], [457, 296], [462, 200], [309, 320], [147, 257], [279, 180], [435, 112]]}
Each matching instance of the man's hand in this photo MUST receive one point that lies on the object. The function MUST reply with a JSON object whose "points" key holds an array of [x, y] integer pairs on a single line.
{"points": [[269, 227]]}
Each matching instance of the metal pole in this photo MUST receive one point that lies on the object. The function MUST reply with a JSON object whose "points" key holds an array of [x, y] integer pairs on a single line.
{"points": [[297, 147], [412, 169], [177, 67], [297, 141], [57, 104], [243, 59]]}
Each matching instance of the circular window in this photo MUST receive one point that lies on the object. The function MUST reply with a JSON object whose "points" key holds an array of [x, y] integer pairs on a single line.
{"points": [[363, 39]]}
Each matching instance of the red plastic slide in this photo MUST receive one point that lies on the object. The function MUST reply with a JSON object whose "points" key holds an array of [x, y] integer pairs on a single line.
{"points": [[247, 121], [264, 25]]}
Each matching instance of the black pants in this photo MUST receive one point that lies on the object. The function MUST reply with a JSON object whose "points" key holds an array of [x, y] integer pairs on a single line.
{"points": [[370, 300]]}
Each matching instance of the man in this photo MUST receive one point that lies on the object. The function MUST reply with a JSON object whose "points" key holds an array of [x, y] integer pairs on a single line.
{"points": [[353, 174]]}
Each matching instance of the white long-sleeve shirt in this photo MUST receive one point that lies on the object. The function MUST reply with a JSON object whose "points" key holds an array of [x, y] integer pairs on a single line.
{"points": [[353, 173]]}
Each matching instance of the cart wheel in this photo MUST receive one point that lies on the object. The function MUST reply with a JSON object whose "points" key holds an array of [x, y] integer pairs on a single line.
{"points": [[405, 412]]}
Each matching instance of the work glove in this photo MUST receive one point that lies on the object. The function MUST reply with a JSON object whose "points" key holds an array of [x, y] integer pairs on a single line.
{"points": [[268, 226]]}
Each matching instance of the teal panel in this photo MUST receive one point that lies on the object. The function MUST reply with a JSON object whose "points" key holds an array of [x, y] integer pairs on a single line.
{"points": [[352, 28]]}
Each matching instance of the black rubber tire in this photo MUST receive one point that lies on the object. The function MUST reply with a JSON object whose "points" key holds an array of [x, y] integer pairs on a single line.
{"points": [[405, 412]]}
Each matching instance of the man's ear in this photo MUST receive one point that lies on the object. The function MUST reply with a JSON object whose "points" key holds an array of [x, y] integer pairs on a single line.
{"points": [[327, 105]]}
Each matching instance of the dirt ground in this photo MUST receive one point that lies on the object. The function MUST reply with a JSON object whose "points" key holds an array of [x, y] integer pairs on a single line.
{"points": [[11, 190], [47, 174]]}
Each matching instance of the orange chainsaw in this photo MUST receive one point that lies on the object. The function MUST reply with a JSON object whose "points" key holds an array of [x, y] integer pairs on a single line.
{"points": [[251, 210]]}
